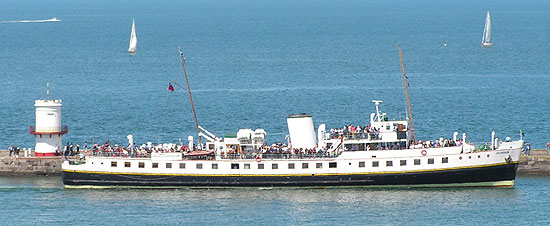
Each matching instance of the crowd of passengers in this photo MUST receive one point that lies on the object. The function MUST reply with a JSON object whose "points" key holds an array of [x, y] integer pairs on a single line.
{"points": [[442, 142], [135, 151], [276, 150], [279, 150], [358, 131]]}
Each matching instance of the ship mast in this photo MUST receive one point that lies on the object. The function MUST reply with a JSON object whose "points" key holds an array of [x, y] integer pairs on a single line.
{"points": [[190, 97], [407, 92]]}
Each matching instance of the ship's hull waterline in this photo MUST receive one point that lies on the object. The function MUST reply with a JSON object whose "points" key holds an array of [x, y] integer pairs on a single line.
{"points": [[494, 175]]}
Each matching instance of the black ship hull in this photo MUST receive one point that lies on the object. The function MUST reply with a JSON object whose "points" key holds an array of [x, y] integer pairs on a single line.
{"points": [[491, 175]]}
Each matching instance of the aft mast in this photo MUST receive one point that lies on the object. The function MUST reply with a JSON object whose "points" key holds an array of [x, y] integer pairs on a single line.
{"points": [[407, 92], [190, 97]]}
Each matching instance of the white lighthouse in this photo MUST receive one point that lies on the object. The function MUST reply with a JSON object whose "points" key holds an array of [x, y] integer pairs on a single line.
{"points": [[48, 130]]}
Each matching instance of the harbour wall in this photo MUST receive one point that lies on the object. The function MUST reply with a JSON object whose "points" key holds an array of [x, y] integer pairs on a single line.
{"points": [[538, 163], [29, 166]]}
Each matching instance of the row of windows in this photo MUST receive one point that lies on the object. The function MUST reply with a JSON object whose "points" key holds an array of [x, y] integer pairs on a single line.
{"points": [[389, 163], [318, 165], [233, 165]]}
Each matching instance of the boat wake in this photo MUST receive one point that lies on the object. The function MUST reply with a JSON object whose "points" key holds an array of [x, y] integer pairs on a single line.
{"points": [[32, 21]]}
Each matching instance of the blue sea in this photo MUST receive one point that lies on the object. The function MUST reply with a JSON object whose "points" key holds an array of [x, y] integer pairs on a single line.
{"points": [[250, 64], [42, 200]]}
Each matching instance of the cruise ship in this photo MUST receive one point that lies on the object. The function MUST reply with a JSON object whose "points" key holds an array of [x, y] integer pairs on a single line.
{"points": [[382, 153]]}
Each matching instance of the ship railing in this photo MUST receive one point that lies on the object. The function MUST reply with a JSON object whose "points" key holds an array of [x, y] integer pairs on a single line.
{"points": [[356, 136], [362, 136], [281, 156], [119, 154], [75, 160]]}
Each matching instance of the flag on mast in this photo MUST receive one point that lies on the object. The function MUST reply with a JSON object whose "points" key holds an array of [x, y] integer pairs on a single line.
{"points": [[170, 87]]}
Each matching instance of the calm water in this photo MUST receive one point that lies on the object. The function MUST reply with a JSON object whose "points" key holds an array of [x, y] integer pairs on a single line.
{"points": [[32, 200], [251, 63]]}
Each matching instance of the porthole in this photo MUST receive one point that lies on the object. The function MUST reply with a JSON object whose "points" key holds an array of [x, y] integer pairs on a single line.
{"points": [[470, 157], [487, 155], [460, 158], [478, 156]]}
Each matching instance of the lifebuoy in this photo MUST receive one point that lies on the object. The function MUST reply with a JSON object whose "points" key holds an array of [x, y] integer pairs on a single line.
{"points": [[258, 158], [424, 152]]}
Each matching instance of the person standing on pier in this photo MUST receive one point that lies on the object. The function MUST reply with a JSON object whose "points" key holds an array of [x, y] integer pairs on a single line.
{"points": [[10, 149], [548, 148]]}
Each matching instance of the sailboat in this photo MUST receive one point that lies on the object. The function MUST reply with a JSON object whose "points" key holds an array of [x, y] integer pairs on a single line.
{"points": [[486, 41], [132, 48]]}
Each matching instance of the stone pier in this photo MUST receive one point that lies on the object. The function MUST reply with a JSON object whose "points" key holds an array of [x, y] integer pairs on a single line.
{"points": [[29, 166], [538, 163]]}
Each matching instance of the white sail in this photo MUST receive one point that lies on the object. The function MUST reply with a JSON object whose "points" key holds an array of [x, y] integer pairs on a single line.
{"points": [[132, 48], [486, 40]]}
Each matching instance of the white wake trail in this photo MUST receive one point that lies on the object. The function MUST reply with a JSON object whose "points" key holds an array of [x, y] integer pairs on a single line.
{"points": [[32, 21]]}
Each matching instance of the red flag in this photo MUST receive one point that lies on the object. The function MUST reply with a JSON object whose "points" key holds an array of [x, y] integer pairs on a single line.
{"points": [[170, 87]]}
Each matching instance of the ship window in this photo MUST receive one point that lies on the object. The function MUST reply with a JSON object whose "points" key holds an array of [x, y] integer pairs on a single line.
{"points": [[445, 160], [199, 165], [274, 166], [155, 165], [375, 163], [260, 166], [246, 166], [417, 162], [332, 165], [361, 164], [291, 166], [214, 165], [182, 165], [319, 165], [305, 165], [234, 165], [141, 165], [168, 165], [127, 164], [403, 162], [113, 164], [430, 161], [389, 163]]}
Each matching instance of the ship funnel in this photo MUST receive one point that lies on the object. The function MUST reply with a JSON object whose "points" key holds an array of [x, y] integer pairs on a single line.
{"points": [[301, 130]]}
